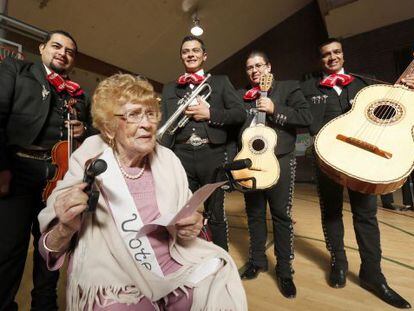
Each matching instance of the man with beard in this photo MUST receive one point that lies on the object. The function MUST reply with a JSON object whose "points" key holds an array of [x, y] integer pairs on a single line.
{"points": [[330, 95], [201, 143], [34, 101]]}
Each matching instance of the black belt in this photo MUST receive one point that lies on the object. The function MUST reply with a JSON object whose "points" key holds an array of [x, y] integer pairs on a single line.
{"points": [[43, 155]]}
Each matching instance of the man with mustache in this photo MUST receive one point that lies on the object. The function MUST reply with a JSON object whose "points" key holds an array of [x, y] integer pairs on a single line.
{"points": [[331, 95], [33, 118], [201, 143]]}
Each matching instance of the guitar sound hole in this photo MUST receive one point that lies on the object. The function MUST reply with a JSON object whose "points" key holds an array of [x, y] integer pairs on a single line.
{"points": [[384, 112], [258, 144]]}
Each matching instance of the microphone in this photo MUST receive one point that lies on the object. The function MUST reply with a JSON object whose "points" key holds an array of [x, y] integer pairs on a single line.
{"points": [[238, 165], [93, 169]]}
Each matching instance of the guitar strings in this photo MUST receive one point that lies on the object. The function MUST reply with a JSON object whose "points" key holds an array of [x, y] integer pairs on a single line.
{"points": [[367, 129], [391, 110], [388, 116], [377, 129], [409, 70]]}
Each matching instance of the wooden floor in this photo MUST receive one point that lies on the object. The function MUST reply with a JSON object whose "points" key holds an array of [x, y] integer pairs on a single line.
{"points": [[311, 260]]}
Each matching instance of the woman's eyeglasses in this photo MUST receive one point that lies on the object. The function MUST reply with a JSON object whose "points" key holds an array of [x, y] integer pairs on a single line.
{"points": [[136, 116]]}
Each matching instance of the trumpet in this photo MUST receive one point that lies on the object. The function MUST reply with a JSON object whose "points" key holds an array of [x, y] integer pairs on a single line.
{"points": [[171, 126]]}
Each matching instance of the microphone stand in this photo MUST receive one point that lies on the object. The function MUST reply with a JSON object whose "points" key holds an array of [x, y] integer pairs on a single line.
{"points": [[93, 169], [93, 196], [234, 185], [222, 174]]}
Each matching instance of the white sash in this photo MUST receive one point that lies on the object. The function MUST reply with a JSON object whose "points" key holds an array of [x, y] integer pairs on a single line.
{"points": [[125, 214]]}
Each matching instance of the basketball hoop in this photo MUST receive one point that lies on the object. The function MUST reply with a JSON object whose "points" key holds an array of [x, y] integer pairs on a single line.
{"points": [[6, 51]]}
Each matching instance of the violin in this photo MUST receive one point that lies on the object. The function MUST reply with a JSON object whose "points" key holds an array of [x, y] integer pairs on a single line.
{"points": [[61, 152]]}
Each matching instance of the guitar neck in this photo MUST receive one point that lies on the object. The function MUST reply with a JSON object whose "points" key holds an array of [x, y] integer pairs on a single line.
{"points": [[261, 115], [408, 71]]}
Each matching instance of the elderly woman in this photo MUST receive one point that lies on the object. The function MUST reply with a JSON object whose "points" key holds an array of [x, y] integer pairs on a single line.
{"points": [[110, 267]]}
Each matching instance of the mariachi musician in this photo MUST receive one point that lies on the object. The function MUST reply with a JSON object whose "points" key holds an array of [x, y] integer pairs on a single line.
{"points": [[331, 95], [33, 119], [201, 143], [286, 109]]}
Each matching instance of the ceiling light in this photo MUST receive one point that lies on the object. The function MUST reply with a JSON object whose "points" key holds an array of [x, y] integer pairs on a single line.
{"points": [[196, 30]]}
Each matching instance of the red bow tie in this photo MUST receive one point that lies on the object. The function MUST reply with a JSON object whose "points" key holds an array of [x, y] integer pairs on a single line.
{"points": [[60, 84], [252, 94], [190, 78], [337, 79]]}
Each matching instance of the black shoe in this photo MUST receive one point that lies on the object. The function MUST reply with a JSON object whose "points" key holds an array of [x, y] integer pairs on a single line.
{"points": [[252, 271], [286, 287], [337, 278], [390, 206], [408, 208], [385, 293]]}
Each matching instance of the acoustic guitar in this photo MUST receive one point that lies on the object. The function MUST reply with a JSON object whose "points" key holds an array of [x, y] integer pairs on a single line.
{"points": [[258, 144], [370, 149]]}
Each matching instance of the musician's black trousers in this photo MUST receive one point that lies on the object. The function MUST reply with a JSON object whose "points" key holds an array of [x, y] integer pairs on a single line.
{"points": [[406, 190], [18, 217], [407, 194], [387, 199], [279, 198], [200, 164], [364, 216]]}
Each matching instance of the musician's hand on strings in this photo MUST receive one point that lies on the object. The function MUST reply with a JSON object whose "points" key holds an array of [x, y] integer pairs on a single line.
{"points": [[78, 128], [189, 228], [265, 104], [199, 112], [409, 81], [5, 178]]}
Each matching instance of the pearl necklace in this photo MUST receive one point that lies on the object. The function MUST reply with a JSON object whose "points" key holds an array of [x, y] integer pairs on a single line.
{"points": [[129, 176]]}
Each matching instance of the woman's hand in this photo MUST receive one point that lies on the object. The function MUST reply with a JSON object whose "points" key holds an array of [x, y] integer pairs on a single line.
{"points": [[189, 228], [69, 206]]}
